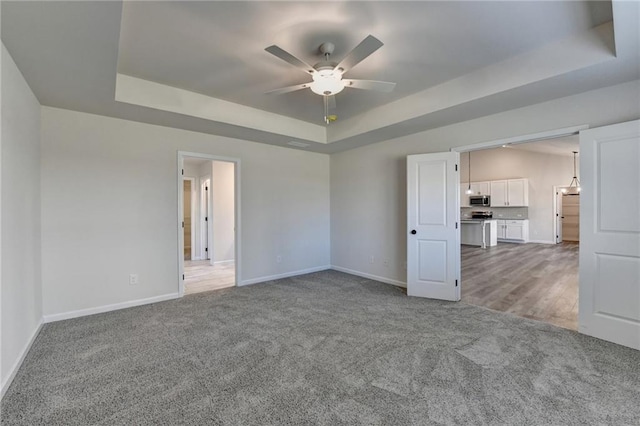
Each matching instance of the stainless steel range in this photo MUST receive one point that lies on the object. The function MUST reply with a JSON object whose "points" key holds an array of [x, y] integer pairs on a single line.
{"points": [[482, 214]]}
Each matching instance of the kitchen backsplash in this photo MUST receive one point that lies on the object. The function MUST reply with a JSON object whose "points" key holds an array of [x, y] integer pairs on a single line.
{"points": [[498, 212]]}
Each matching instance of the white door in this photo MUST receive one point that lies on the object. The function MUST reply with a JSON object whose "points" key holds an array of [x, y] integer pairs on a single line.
{"points": [[433, 237], [558, 212], [609, 304]]}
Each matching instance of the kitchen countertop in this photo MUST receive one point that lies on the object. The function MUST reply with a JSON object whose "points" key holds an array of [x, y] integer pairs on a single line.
{"points": [[476, 220]]}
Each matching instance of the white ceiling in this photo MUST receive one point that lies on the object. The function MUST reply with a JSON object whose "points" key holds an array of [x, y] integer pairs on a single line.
{"points": [[560, 146], [217, 48], [195, 162], [71, 53]]}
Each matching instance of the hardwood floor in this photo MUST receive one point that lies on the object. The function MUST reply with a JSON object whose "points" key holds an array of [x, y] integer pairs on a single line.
{"points": [[538, 281], [200, 276]]}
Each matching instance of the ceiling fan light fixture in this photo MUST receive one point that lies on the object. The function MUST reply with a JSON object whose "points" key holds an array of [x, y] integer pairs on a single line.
{"points": [[327, 83]]}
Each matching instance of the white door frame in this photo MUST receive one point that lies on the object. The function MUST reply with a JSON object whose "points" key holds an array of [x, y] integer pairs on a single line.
{"points": [[237, 216], [557, 212], [194, 214], [549, 134], [205, 212]]}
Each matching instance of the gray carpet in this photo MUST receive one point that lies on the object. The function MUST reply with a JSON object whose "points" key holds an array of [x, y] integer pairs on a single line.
{"points": [[325, 348]]}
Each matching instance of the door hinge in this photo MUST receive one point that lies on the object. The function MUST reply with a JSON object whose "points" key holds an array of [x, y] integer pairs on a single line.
{"points": [[183, 224], [182, 172], [206, 188], [456, 225], [557, 215], [206, 219], [456, 283], [456, 167], [206, 249]]}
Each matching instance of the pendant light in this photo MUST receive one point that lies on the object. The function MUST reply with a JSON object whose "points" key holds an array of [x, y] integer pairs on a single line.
{"points": [[469, 191], [574, 186]]}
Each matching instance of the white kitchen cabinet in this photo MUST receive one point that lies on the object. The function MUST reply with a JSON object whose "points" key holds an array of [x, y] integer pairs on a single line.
{"points": [[471, 232], [518, 192], [509, 193], [480, 188], [498, 193], [464, 197], [513, 230]]}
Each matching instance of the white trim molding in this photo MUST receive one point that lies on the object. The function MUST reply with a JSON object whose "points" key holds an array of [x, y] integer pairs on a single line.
{"points": [[109, 308], [284, 275], [16, 366], [533, 137], [370, 276]]}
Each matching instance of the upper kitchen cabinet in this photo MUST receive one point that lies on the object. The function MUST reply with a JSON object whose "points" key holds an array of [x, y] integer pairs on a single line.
{"points": [[480, 188], [510, 193], [464, 197]]}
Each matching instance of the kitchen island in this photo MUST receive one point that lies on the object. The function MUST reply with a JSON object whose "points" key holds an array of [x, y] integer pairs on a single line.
{"points": [[479, 232]]}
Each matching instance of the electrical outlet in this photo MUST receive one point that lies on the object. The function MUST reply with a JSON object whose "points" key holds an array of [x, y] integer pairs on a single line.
{"points": [[278, 259], [134, 279], [371, 259]]}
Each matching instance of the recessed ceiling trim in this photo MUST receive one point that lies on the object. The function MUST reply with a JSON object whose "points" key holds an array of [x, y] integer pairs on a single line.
{"points": [[573, 53], [149, 94]]}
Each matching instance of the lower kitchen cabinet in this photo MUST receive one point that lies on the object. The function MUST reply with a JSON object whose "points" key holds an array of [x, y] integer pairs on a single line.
{"points": [[513, 230]]}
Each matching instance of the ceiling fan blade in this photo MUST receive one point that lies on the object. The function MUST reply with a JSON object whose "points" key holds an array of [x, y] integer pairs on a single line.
{"points": [[287, 89], [359, 53], [332, 102], [378, 86], [288, 57]]}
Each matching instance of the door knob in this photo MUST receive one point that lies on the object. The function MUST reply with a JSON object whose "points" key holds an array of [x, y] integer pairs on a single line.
{"points": [[414, 232]]}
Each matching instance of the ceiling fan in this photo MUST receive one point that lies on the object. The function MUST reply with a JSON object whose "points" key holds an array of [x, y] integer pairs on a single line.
{"points": [[327, 75]]}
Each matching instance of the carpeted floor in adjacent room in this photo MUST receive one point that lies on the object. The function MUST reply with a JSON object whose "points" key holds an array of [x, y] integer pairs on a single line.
{"points": [[324, 348]]}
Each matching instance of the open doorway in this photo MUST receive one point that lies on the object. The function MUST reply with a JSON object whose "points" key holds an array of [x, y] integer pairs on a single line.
{"points": [[209, 214], [519, 231]]}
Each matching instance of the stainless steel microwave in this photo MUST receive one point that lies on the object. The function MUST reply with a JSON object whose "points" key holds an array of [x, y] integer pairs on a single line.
{"points": [[480, 200]]}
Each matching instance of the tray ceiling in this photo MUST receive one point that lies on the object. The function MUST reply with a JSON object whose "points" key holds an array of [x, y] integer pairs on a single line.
{"points": [[202, 66]]}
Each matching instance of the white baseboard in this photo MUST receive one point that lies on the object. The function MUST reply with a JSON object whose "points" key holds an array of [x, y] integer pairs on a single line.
{"points": [[108, 308], [16, 365], [541, 242], [223, 262], [285, 275], [370, 276]]}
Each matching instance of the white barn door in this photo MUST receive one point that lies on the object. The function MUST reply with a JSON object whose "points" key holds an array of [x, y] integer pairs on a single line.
{"points": [[433, 237], [609, 301]]}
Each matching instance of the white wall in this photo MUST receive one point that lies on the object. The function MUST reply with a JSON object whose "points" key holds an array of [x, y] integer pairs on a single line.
{"points": [[222, 192], [191, 170], [20, 230], [543, 171], [368, 184], [109, 208]]}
